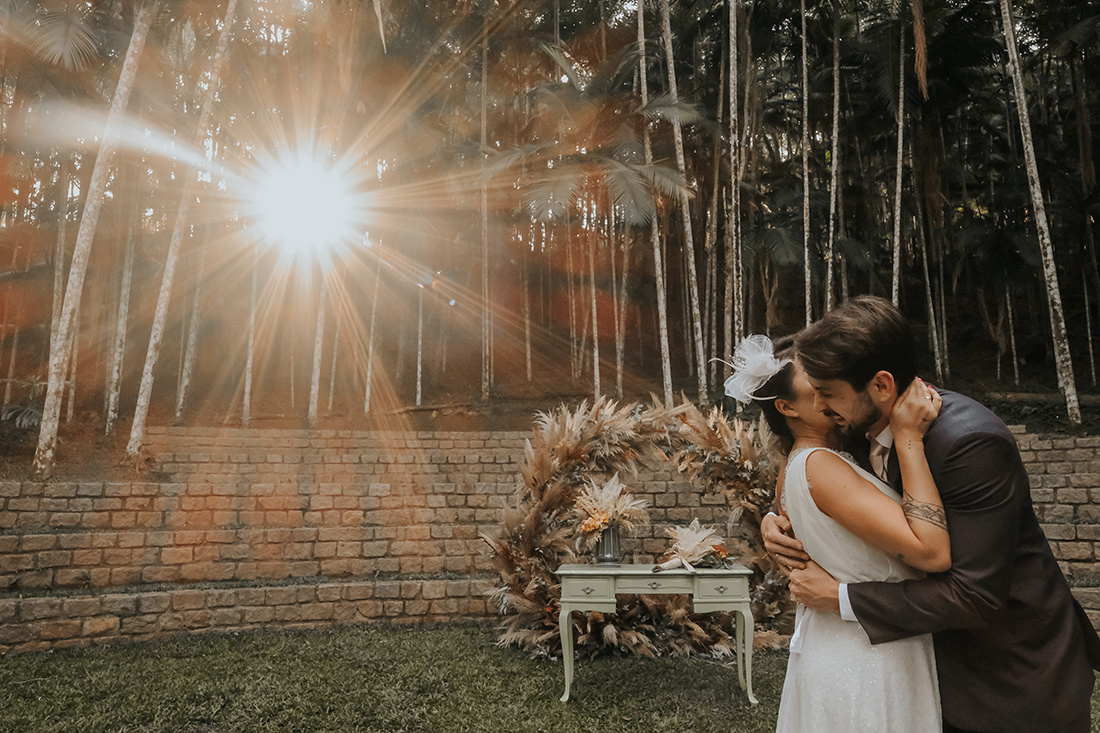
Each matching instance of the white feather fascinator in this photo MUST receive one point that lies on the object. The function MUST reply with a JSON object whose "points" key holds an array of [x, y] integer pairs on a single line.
{"points": [[753, 363]]}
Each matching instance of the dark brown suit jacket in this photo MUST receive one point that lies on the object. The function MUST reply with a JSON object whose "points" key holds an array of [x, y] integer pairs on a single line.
{"points": [[1014, 650]]}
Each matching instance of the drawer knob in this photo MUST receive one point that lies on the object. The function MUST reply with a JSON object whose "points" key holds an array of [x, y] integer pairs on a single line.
{"points": [[588, 591], [654, 585], [721, 589]]}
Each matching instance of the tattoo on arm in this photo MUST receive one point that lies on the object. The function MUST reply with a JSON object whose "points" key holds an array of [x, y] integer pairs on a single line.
{"points": [[924, 512]]}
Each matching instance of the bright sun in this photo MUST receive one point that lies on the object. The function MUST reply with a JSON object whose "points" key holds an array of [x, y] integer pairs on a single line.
{"points": [[305, 205]]}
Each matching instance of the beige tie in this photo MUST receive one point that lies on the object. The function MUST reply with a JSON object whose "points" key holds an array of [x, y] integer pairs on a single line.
{"points": [[879, 454]]}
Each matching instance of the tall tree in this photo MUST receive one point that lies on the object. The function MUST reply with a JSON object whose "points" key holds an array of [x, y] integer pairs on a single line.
{"points": [[654, 226], [685, 209], [807, 268], [61, 340], [181, 225], [1063, 361]]}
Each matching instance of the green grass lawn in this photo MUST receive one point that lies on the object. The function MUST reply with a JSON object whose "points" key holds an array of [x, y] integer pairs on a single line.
{"points": [[391, 679]]}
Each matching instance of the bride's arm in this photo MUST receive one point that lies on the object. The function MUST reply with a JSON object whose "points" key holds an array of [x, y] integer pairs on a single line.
{"points": [[916, 531]]}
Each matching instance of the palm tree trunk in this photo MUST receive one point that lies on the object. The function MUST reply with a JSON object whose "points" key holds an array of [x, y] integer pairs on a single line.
{"points": [[570, 284], [11, 365], [1012, 336], [620, 316], [318, 345], [250, 357], [685, 210], [332, 368], [15, 337], [74, 354], [895, 289], [933, 331], [1062, 358], [654, 229], [595, 318], [141, 411], [710, 244], [419, 344], [527, 315], [371, 333], [806, 265], [61, 338], [1088, 324], [834, 173], [933, 321], [486, 326], [941, 282], [114, 382], [192, 338], [734, 322], [62, 237]]}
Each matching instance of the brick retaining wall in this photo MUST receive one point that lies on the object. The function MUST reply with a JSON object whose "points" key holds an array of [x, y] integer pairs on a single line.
{"points": [[345, 518], [48, 622]]}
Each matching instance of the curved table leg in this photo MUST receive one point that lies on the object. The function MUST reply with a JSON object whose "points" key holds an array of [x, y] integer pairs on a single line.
{"points": [[565, 628], [744, 651]]}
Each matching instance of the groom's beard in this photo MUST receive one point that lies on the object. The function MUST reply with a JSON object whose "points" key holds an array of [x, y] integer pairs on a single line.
{"points": [[865, 413]]}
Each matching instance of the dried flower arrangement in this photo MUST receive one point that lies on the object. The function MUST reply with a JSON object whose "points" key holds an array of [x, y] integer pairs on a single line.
{"points": [[601, 507], [693, 546], [570, 452]]}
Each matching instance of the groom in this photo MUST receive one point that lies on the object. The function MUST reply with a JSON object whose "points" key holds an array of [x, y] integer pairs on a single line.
{"points": [[1014, 649]]}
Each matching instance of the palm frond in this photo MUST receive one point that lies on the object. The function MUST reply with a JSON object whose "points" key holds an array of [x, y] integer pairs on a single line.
{"points": [[62, 36], [552, 197], [628, 191], [661, 107], [563, 62]]}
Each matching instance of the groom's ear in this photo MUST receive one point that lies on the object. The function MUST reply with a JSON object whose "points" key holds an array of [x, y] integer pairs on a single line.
{"points": [[882, 387]]}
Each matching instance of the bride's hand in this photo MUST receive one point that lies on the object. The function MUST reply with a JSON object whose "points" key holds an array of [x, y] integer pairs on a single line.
{"points": [[915, 410]]}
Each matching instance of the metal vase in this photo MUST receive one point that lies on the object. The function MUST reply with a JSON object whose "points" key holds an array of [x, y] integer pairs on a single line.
{"points": [[608, 546]]}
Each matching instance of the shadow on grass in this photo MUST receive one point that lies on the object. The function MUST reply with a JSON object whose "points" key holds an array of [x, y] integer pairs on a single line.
{"points": [[375, 679]]}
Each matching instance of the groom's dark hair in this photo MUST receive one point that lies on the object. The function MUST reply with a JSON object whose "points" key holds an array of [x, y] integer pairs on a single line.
{"points": [[858, 339]]}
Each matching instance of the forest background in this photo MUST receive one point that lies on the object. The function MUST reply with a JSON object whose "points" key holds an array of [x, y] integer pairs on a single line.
{"points": [[397, 215]]}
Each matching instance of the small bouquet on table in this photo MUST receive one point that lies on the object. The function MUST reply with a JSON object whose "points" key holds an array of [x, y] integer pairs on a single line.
{"points": [[694, 546], [603, 512]]}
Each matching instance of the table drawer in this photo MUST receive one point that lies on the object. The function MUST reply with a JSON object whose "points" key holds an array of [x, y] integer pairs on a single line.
{"points": [[586, 588], [725, 588], [654, 584]]}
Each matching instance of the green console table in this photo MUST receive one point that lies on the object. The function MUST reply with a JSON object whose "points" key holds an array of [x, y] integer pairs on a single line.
{"points": [[594, 587]]}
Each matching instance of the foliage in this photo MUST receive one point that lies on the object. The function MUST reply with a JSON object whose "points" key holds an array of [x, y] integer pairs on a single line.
{"points": [[27, 414], [570, 449]]}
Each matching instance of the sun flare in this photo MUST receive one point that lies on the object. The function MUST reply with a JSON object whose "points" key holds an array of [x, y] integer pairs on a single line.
{"points": [[305, 206]]}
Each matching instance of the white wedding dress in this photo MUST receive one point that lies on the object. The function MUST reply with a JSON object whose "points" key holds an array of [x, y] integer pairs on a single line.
{"points": [[837, 682]]}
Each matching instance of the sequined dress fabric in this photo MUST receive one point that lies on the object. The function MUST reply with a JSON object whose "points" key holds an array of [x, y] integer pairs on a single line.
{"points": [[837, 682]]}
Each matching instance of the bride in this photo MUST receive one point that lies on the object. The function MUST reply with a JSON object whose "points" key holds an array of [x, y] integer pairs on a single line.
{"points": [[858, 529]]}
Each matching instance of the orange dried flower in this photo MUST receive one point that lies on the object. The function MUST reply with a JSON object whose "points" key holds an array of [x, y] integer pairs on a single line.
{"points": [[595, 522]]}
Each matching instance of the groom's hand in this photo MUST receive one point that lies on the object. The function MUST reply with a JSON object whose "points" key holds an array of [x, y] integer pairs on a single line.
{"points": [[779, 542], [814, 588]]}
